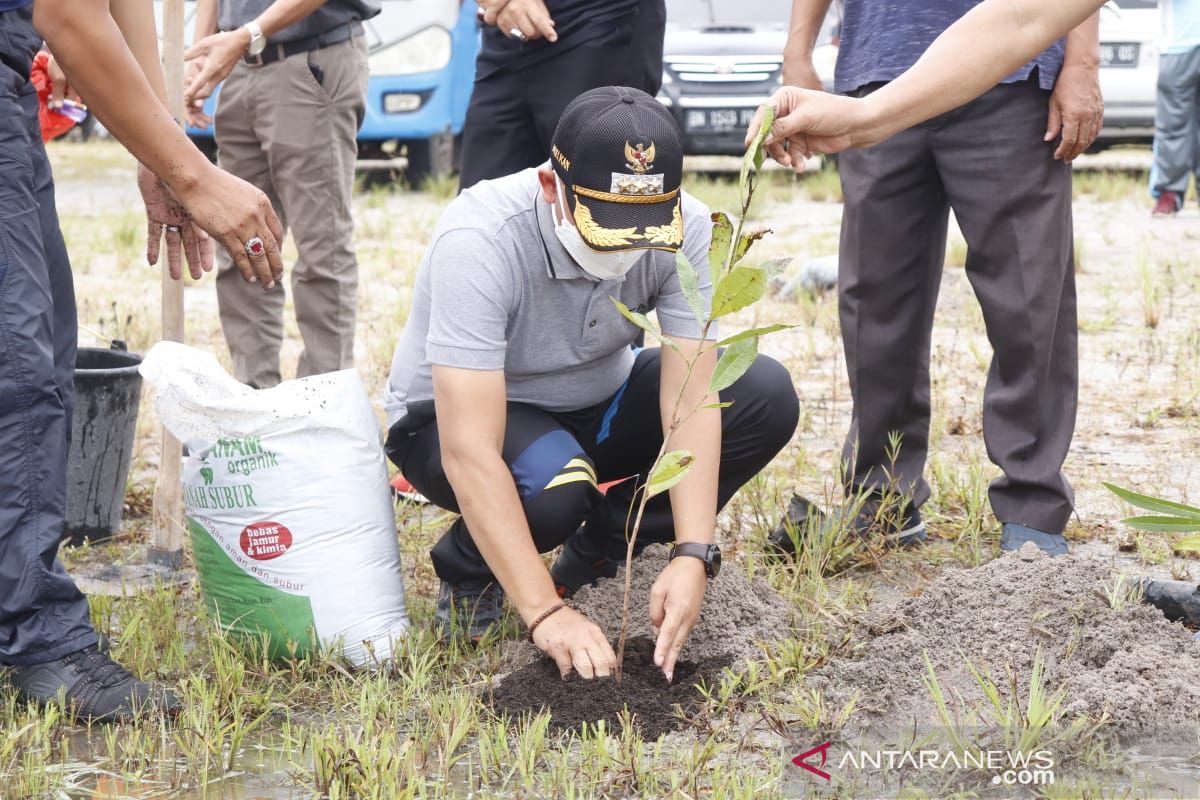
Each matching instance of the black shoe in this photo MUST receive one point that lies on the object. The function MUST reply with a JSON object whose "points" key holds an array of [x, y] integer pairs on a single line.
{"points": [[95, 688], [468, 611], [574, 568], [899, 525]]}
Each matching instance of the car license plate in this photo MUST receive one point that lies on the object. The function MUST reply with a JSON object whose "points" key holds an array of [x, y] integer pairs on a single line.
{"points": [[1119, 54], [717, 120]]}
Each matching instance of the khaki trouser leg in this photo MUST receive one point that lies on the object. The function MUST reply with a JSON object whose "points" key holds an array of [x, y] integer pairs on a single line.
{"points": [[251, 318], [310, 107]]}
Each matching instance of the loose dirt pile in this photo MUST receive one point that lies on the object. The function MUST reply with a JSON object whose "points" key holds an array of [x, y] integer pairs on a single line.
{"points": [[1128, 663], [738, 613]]}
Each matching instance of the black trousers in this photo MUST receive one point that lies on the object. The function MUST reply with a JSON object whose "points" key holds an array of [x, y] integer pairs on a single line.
{"points": [[513, 112], [43, 615], [1012, 200], [557, 459]]}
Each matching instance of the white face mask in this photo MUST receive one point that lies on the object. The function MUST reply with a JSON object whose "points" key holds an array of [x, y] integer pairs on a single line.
{"points": [[603, 266]]}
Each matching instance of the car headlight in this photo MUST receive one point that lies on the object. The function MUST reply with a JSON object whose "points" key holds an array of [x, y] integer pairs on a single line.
{"points": [[424, 51]]}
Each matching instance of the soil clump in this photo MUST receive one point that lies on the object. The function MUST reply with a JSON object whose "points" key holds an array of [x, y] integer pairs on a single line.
{"points": [[574, 703], [1128, 665]]}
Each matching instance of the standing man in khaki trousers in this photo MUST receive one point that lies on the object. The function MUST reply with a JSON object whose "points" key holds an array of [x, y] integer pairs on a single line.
{"points": [[295, 75]]}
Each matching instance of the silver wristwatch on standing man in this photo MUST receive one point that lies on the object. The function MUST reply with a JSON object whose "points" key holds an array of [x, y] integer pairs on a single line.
{"points": [[258, 42]]}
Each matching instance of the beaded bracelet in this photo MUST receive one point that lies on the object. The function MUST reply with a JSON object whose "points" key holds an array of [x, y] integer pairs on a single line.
{"points": [[542, 617]]}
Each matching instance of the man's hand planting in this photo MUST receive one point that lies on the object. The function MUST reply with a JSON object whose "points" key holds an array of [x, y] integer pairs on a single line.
{"points": [[675, 601], [575, 642]]}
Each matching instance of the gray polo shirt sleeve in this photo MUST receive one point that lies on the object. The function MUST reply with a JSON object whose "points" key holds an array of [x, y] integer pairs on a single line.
{"points": [[471, 297], [675, 316]]}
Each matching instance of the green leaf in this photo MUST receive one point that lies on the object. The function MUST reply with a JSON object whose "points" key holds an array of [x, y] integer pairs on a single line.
{"points": [[753, 333], [722, 238], [733, 363], [1148, 503], [643, 322], [725, 404], [745, 240], [1165, 524], [753, 159], [670, 470], [1188, 544], [689, 281], [741, 287]]}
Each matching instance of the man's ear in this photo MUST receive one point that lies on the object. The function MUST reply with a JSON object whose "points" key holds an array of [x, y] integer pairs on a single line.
{"points": [[548, 180]]}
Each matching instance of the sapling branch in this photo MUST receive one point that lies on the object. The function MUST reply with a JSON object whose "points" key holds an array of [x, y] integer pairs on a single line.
{"points": [[735, 292]]}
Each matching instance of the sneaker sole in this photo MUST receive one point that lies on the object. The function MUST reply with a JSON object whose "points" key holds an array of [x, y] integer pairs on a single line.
{"points": [[909, 537]]}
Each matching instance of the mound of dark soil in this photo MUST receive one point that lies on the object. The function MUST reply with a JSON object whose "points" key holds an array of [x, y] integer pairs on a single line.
{"points": [[575, 702], [1126, 665]]}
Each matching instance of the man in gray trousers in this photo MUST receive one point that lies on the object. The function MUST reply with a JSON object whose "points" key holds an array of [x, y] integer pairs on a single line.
{"points": [[1002, 163], [1177, 115], [287, 121]]}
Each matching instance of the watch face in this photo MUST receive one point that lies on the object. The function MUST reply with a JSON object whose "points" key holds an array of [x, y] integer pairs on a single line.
{"points": [[714, 554], [257, 45]]}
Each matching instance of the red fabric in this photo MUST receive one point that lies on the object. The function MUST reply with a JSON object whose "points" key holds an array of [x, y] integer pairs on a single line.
{"points": [[53, 123]]}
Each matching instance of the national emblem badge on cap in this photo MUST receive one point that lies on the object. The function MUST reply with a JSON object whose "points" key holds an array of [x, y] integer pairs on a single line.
{"points": [[618, 153]]}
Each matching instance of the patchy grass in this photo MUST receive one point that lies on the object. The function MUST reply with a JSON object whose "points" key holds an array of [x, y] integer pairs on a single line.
{"points": [[421, 728]]}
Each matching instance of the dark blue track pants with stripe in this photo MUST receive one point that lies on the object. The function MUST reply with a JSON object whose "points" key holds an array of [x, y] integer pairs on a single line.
{"points": [[556, 460]]}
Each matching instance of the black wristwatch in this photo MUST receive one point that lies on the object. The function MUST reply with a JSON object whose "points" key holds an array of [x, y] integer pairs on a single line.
{"points": [[710, 554]]}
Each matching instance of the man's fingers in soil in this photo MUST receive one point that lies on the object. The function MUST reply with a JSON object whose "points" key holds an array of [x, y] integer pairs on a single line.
{"points": [[562, 657], [666, 636], [601, 653], [154, 232], [681, 636], [581, 660]]}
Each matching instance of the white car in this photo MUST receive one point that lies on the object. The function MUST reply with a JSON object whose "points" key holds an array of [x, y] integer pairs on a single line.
{"points": [[1129, 38]]}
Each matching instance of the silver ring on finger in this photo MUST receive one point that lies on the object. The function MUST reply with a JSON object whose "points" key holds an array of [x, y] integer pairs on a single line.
{"points": [[174, 229], [255, 247], [518, 34]]}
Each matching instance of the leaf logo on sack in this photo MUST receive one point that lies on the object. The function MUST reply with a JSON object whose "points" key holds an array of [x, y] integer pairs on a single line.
{"points": [[263, 541]]}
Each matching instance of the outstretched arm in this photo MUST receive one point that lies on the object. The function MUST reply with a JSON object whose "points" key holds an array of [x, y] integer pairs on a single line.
{"points": [[971, 56]]}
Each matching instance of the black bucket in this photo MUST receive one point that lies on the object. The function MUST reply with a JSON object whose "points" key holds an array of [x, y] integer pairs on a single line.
{"points": [[108, 389]]}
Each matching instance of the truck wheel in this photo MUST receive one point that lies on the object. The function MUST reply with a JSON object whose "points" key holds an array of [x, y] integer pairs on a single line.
{"points": [[430, 158]]}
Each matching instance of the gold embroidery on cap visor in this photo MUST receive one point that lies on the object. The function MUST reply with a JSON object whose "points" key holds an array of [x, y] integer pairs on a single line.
{"points": [[668, 236]]}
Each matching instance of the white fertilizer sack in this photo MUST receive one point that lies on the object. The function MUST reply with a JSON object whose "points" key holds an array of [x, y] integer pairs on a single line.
{"points": [[287, 504]]}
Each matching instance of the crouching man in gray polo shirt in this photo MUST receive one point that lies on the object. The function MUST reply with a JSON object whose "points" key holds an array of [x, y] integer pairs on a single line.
{"points": [[515, 389]]}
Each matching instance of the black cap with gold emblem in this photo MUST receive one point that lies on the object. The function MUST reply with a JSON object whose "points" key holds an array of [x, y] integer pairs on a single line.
{"points": [[618, 153]]}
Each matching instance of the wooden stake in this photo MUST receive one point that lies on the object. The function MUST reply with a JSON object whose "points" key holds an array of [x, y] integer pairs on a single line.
{"points": [[167, 548]]}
